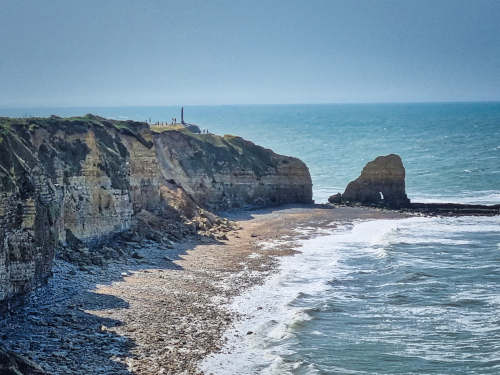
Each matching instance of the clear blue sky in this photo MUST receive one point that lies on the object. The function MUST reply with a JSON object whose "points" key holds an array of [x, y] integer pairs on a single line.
{"points": [[124, 52]]}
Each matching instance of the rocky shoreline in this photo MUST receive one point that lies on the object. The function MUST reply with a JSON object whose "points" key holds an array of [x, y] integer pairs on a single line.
{"points": [[120, 220], [162, 311]]}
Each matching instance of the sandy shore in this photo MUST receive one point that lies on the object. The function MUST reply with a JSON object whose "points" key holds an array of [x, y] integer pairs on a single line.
{"points": [[164, 311]]}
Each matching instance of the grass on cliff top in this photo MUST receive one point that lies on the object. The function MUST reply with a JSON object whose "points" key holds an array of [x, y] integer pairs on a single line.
{"points": [[257, 157], [225, 141], [75, 124], [163, 128], [88, 119]]}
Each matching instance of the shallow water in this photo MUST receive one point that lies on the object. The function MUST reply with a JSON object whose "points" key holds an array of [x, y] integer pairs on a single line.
{"points": [[411, 296], [417, 295]]}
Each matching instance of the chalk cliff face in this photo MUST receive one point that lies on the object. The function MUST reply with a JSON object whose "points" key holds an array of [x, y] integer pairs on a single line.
{"points": [[229, 172], [67, 184], [381, 182]]}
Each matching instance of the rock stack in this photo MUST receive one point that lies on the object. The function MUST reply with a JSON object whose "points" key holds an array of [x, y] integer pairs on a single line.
{"points": [[381, 183]]}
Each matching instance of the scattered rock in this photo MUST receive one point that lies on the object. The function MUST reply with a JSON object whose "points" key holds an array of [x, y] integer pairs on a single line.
{"points": [[335, 199], [14, 364]]}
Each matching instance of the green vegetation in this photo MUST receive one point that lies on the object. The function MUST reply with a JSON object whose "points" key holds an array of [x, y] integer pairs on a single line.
{"points": [[19, 151], [74, 125], [163, 128], [212, 152]]}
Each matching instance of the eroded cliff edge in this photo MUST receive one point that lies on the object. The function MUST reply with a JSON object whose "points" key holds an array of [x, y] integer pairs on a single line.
{"points": [[69, 185], [229, 172]]}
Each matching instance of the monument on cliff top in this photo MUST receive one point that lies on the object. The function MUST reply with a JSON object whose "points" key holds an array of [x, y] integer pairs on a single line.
{"points": [[191, 127]]}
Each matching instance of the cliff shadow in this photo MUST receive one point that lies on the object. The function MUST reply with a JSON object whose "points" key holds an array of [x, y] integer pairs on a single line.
{"points": [[57, 330], [64, 327]]}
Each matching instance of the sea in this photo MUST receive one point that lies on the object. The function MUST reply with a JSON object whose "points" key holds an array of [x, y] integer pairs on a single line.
{"points": [[418, 295]]}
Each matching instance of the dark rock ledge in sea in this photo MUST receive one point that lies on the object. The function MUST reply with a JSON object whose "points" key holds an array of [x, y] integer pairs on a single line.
{"points": [[382, 184]]}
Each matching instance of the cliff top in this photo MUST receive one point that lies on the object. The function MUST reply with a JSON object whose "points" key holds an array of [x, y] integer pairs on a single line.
{"points": [[213, 152], [73, 124], [70, 125]]}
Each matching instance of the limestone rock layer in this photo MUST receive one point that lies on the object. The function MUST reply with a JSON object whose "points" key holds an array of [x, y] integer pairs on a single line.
{"points": [[228, 172]]}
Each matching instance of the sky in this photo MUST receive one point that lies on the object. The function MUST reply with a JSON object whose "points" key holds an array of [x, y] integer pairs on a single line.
{"points": [[124, 52]]}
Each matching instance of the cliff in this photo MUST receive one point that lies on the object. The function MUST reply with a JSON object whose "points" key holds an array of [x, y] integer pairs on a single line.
{"points": [[70, 185], [227, 172]]}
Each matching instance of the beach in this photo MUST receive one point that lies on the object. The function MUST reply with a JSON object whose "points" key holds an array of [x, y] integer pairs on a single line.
{"points": [[240, 188], [165, 310]]}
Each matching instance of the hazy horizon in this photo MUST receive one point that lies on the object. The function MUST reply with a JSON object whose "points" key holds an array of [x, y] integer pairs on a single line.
{"points": [[241, 105], [154, 53]]}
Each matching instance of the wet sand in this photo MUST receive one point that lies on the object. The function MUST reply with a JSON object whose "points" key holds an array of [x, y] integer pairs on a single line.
{"points": [[165, 311]]}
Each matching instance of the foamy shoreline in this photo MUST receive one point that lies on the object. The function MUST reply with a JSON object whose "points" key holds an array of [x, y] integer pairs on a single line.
{"points": [[256, 307], [167, 311], [268, 336]]}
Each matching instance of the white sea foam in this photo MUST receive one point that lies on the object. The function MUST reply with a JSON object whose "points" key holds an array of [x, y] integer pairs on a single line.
{"points": [[257, 343], [271, 245], [275, 311], [467, 197], [317, 333]]}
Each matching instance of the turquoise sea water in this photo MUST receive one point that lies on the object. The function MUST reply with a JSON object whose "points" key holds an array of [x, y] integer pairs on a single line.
{"points": [[411, 296]]}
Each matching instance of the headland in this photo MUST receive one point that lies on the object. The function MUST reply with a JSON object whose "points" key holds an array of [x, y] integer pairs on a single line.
{"points": [[123, 242]]}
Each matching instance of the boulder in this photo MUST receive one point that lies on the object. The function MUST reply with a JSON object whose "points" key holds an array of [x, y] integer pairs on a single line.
{"points": [[335, 199], [14, 364], [381, 183]]}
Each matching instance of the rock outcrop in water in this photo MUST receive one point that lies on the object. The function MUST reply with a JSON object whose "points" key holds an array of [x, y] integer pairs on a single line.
{"points": [[70, 185], [382, 182]]}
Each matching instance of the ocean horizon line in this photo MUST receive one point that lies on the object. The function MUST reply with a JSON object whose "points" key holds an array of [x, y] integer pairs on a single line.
{"points": [[8, 107]]}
